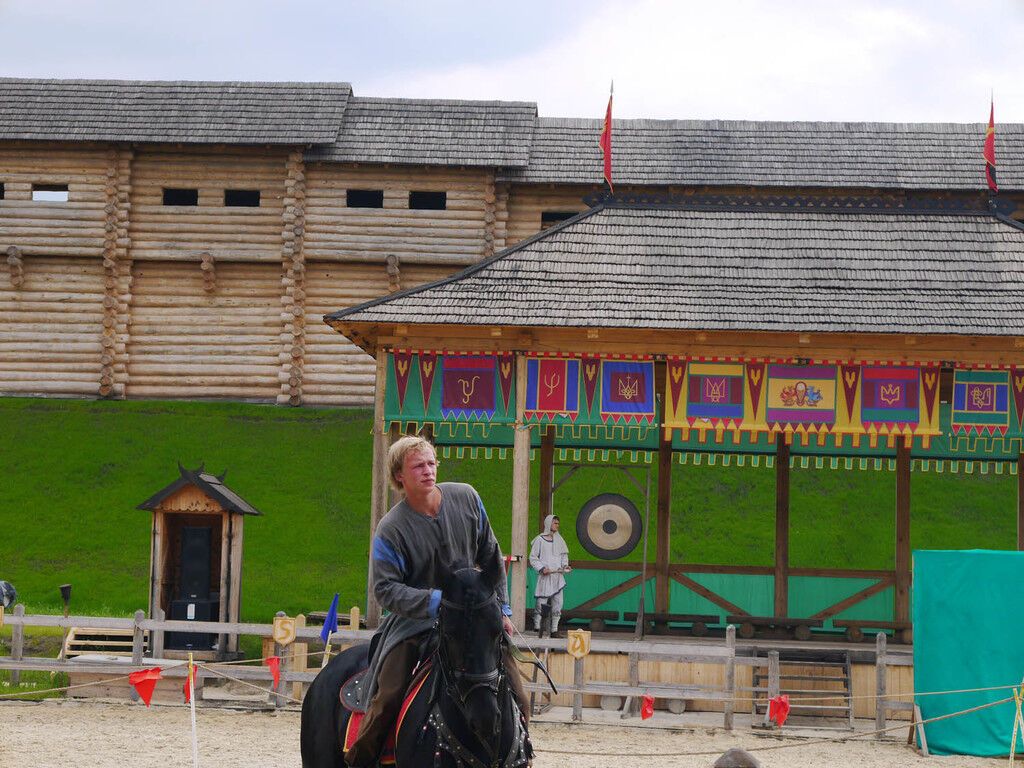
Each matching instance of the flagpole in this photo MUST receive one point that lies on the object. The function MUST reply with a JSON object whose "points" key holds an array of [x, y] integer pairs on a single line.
{"points": [[192, 705]]}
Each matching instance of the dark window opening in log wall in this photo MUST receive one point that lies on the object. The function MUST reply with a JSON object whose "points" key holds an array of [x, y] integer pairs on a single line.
{"points": [[175, 196], [242, 198], [550, 218], [50, 193], [1, 190], [364, 198], [428, 201]]}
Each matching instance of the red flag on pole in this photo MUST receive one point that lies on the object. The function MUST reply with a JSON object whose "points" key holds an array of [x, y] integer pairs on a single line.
{"points": [[144, 681], [274, 662], [606, 140], [187, 688], [646, 707], [778, 709], [990, 149]]}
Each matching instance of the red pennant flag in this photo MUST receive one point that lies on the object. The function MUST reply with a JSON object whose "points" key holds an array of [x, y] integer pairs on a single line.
{"points": [[144, 681], [187, 688], [990, 149], [646, 707], [274, 662], [403, 364], [778, 709], [606, 141]]}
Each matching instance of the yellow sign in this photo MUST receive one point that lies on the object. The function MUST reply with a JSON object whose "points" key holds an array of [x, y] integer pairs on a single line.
{"points": [[578, 642], [284, 630]]}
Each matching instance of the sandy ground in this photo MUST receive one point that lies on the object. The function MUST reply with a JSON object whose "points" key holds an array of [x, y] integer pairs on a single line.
{"points": [[103, 735]]}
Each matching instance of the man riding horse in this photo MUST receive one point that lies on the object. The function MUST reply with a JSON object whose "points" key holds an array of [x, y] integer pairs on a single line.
{"points": [[414, 548]]}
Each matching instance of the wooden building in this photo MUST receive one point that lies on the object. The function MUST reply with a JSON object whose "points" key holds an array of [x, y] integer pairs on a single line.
{"points": [[184, 239], [712, 328]]}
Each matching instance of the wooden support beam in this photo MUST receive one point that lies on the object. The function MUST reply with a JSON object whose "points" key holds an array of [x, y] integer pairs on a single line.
{"points": [[707, 594], [1020, 502], [378, 482], [663, 553], [853, 599], [520, 498], [782, 528], [547, 475], [902, 597]]}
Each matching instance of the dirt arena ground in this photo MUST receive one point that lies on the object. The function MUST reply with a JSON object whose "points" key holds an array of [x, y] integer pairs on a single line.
{"points": [[102, 735]]}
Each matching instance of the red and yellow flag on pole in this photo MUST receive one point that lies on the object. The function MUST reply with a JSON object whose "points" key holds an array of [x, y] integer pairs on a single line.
{"points": [[990, 149], [606, 140]]}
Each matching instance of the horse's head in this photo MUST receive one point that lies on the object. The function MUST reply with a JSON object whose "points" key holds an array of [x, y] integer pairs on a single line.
{"points": [[470, 635]]}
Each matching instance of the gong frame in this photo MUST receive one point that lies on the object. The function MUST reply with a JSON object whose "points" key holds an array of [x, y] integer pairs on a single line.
{"points": [[644, 488]]}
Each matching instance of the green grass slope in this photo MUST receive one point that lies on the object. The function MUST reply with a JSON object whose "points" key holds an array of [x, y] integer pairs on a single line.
{"points": [[74, 470]]}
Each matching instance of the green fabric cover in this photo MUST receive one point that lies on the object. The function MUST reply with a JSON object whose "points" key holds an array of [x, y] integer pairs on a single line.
{"points": [[968, 624]]}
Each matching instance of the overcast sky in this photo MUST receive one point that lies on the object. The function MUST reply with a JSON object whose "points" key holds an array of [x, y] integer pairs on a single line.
{"points": [[858, 60]]}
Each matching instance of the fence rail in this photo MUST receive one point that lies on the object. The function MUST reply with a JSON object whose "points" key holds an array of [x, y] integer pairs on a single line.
{"points": [[628, 690]]}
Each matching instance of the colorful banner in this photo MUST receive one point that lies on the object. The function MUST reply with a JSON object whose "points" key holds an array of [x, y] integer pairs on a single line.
{"points": [[981, 402], [552, 388], [714, 393], [801, 398], [890, 397], [627, 391]]}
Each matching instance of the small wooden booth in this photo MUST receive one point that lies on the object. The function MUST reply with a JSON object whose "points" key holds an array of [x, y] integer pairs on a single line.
{"points": [[195, 571]]}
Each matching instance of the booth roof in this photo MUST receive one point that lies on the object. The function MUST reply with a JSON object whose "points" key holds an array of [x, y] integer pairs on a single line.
{"points": [[773, 154], [212, 485], [188, 112], [708, 268]]}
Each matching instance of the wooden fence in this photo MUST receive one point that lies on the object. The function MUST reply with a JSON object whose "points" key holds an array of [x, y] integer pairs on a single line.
{"points": [[594, 676]]}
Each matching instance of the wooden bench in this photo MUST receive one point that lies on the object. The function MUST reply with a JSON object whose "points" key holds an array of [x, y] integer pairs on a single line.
{"points": [[801, 626], [698, 621], [855, 628]]}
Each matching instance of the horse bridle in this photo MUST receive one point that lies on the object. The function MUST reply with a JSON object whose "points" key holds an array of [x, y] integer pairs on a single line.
{"points": [[493, 680]]}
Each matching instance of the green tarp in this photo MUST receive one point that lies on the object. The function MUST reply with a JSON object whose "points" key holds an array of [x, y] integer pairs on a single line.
{"points": [[968, 630]]}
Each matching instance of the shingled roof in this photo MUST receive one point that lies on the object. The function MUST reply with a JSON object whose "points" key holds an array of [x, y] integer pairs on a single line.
{"points": [[433, 132], [790, 154], [175, 112], [212, 485], [708, 268]]}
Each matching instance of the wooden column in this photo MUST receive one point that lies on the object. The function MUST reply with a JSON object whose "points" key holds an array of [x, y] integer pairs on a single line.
{"points": [[781, 527], [663, 552], [1020, 501], [293, 283], [902, 599], [547, 476], [378, 482], [520, 498]]}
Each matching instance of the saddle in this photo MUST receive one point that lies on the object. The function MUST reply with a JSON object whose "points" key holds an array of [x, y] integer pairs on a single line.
{"points": [[350, 700]]}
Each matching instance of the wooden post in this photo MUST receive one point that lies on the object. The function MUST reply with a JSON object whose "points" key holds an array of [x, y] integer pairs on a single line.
{"points": [[17, 643], [275, 697], [138, 646], [1020, 502], [156, 636], [547, 475], [902, 591], [577, 681], [378, 482], [730, 676], [297, 651], [773, 681], [663, 553], [781, 527], [880, 684], [520, 498]]}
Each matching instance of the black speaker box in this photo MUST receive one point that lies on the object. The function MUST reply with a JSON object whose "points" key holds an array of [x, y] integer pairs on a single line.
{"points": [[196, 558], [192, 610]]}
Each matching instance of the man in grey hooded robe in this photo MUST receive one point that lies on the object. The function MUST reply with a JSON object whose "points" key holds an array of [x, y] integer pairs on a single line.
{"points": [[549, 557]]}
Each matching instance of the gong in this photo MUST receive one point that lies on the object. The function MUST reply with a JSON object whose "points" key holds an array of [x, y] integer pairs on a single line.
{"points": [[609, 526]]}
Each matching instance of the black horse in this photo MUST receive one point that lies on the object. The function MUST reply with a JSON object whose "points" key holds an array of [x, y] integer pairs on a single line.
{"points": [[465, 715]]}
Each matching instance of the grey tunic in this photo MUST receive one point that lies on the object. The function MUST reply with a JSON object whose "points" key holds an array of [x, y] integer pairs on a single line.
{"points": [[411, 553]]}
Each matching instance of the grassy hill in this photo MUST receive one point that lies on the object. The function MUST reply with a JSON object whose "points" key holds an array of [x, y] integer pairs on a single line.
{"points": [[74, 470]]}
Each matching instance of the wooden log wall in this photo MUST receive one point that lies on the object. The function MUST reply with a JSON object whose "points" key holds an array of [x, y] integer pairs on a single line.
{"points": [[456, 236], [527, 204]]}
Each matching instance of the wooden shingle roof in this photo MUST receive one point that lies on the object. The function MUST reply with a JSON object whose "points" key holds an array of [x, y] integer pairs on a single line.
{"points": [[174, 112], [713, 268], [433, 132], [789, 154], [210, 484]]}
